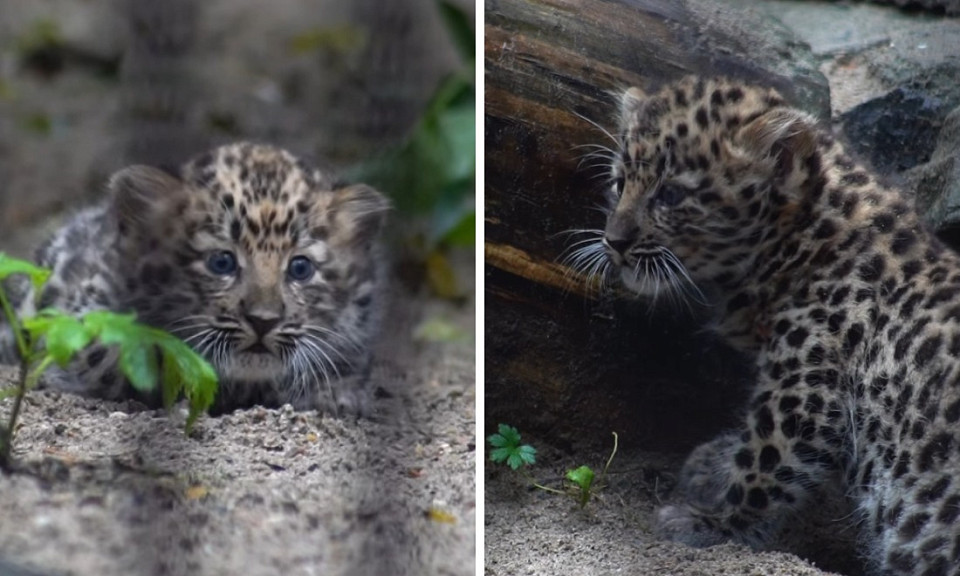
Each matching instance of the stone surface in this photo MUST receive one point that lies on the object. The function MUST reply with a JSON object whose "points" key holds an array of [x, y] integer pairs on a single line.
{"points": [[893, 82], [937, 183], [898, 130]]}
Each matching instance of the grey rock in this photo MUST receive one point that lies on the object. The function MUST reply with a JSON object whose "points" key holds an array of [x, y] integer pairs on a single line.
{"points": [[950, 7], [897, 131], [937, 183]]}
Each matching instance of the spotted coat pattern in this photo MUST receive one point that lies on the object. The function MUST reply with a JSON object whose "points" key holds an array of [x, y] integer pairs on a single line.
{"points": [[267, 267], [829, 280]]}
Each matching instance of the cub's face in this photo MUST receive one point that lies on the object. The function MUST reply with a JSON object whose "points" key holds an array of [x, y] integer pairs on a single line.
{"points": [[703, 172], [261, 264]]}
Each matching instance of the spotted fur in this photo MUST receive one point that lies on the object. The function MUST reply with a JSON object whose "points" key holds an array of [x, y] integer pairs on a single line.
{"points": [[850, 307], [276, 332]]}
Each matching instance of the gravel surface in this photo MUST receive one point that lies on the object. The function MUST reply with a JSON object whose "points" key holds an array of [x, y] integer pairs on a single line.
{"points": [[109, 488], [531, 532]]}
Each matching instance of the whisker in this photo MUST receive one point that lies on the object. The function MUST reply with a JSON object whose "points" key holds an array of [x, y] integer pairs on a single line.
{"points": [[598, 127]]}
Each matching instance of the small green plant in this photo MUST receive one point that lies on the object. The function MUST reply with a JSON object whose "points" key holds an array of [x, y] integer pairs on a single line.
{"points": [[146, 354], [506, 449]]}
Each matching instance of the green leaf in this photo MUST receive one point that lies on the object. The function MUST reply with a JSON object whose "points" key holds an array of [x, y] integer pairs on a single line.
{"points": [[527, 453], [185, 370], [170, 384], [500, 454], [511, 434], [65, 338], [454, 90], [138, 362], [438, 161], [582, 477], [497, 440], [458, 24], [458, 128], [40, 324], [455, 227], [62, 335], [112, 328], [507, 448], [10, 266], [138, 359]]}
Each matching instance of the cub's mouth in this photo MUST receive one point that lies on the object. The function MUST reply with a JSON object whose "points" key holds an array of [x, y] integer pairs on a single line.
{"points": [[256, 348], [656, 271]]}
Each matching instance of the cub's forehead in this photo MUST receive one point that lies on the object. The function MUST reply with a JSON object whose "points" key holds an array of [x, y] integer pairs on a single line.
{"points": [[693, 108], [257, 196], [253, 174]]}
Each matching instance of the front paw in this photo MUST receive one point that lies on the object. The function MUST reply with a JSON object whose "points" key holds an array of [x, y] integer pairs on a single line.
{"points": [[680, 524], [350, 402]]}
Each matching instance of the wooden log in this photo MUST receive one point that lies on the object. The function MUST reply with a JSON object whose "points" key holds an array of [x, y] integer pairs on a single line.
{"points": [[559, 357]]}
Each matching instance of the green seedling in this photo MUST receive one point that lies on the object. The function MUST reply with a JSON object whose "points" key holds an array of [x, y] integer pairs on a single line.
{"points": [[506, 449], [146, 355], [582, 477]]}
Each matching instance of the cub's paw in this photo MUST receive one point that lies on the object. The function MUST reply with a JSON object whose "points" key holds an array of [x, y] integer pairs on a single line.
{"points": [[680, 524], [707, 473], [351, 398]]}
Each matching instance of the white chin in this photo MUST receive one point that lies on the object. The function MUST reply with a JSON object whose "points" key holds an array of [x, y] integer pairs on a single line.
{"points": [[246, 367], [641, 286]]}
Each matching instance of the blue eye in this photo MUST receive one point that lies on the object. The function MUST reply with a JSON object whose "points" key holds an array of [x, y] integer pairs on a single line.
{"points": [[222, 263], [300, 268]]}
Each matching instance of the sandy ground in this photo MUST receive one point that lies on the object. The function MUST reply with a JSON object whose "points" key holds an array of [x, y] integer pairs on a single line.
{"points": [[109, 488], [530, 532]]}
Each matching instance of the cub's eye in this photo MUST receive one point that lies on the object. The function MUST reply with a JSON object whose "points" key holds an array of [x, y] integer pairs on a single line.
{"points": [[222, 263], [670, 195], [300, 268], [619, 183]]}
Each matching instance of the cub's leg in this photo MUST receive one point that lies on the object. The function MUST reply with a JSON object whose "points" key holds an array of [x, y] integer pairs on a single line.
{"points": [[742, 486]]}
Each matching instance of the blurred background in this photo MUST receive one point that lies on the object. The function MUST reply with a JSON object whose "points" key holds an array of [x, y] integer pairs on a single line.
{"points": [[379, 91]]}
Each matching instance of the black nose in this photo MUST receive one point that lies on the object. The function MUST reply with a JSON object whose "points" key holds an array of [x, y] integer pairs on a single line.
{"points": [[262, 324], [618, 245]]}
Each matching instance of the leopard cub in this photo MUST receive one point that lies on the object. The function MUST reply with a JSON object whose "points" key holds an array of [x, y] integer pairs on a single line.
{"points": [[267, 267], [829, 280]]}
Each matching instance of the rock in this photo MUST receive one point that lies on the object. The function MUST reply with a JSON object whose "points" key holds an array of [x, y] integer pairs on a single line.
{"points": [[937, 183], [893, 82], [897, 131], [950, 7]]}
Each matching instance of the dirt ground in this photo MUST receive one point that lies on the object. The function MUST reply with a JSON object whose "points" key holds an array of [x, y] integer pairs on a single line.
{"points": [[110, 488], [530, 532]]}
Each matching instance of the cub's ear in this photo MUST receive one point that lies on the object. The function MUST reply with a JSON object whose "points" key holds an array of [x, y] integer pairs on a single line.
{"points": [[782, 134], [639, 111], [142, 194], [359, 212]]}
